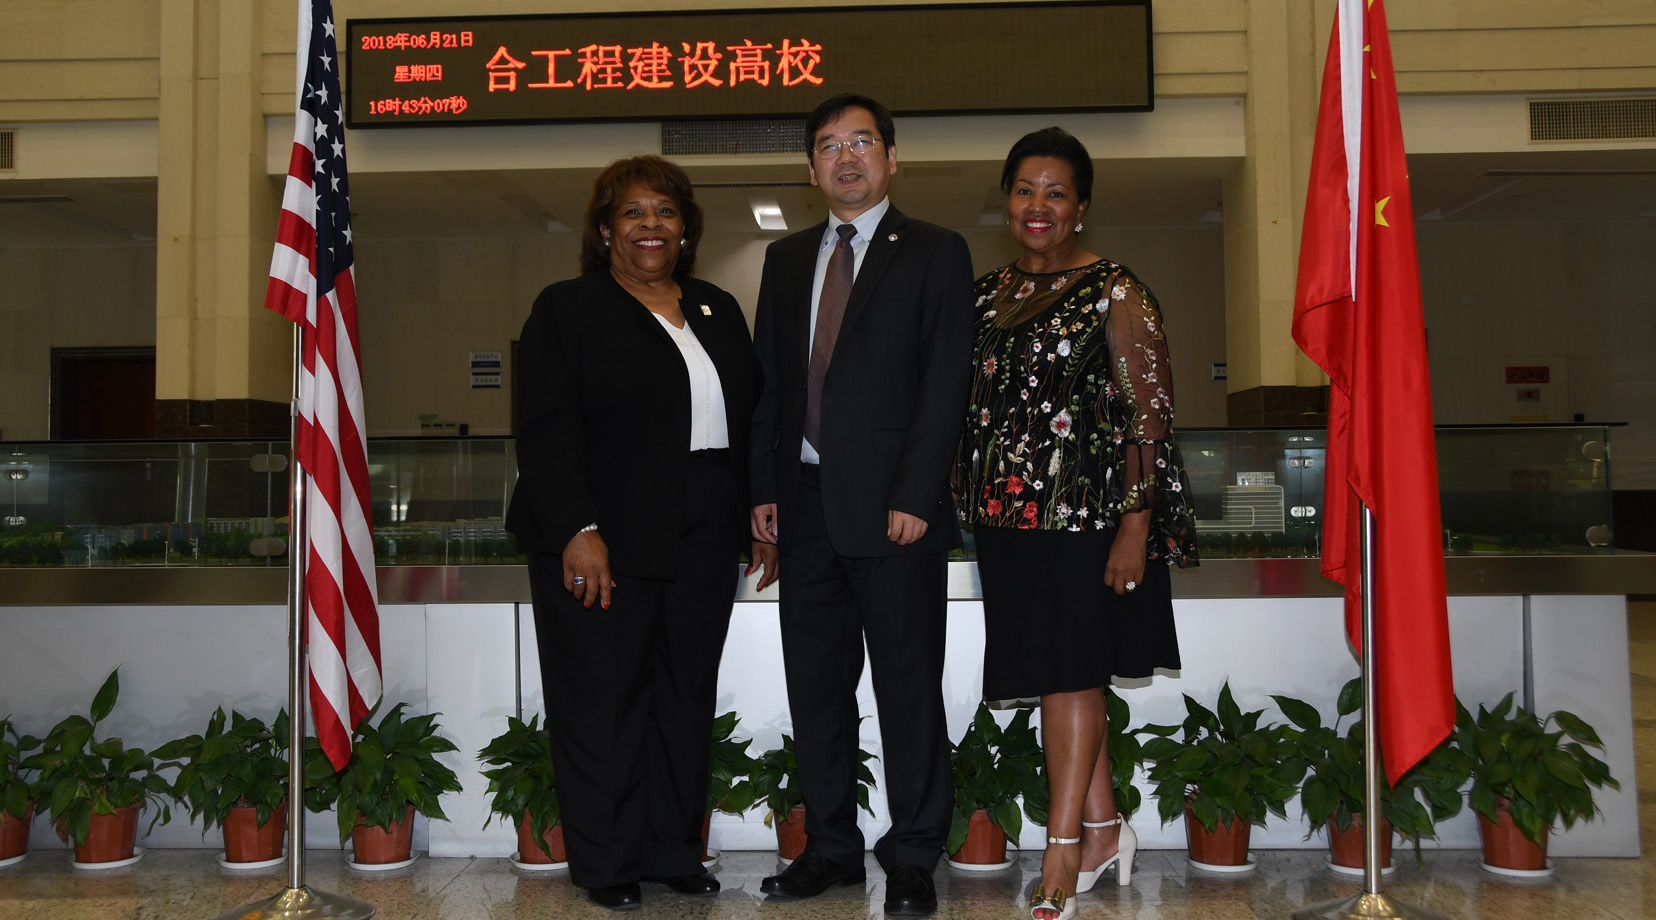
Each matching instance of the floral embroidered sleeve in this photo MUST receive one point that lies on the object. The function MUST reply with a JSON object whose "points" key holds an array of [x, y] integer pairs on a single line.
{"points": [[1141, 417]]}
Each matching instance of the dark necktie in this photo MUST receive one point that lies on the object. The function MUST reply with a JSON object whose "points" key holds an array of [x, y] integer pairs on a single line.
{"points": [[836, 293]]}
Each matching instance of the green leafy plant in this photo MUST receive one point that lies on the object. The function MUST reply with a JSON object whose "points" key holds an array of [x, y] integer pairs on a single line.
{"points": [[244, 765], [992, 768], [729, 781], [1541, 777], [81, 775], [1224, 763], [392, 766], [1126, 754], [1334, 786], [15, 791], [522, 781], [776, 780]]}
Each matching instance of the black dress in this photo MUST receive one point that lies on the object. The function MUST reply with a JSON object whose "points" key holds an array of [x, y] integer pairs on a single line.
{"points": [[1069, 426]]}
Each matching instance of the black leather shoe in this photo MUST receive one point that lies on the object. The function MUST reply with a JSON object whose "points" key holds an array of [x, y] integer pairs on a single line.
{"points": [[624, 896], [812, 874], [702, 883], [910, 892]]}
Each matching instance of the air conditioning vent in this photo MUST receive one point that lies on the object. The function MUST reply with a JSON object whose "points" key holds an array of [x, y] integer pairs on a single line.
{"points": [[1629, 118], [729, 138], [8, 150]]}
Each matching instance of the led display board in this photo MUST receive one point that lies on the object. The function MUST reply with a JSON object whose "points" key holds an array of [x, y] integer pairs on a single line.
{"points": [[979, 58]]}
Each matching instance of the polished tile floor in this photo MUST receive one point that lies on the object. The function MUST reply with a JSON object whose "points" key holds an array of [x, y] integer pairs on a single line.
{"points": [[188, 884]]}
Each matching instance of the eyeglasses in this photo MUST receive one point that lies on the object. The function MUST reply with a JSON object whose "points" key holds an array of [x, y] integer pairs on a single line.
{"points": [[860, 146]]}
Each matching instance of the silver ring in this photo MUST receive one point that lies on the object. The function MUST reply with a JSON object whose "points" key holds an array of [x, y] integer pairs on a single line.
{"points": [[1130, 585], [581, 581]]}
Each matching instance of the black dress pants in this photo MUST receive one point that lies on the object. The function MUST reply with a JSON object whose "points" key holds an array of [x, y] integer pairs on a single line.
{"points": [[630, 693], [829, 604]]}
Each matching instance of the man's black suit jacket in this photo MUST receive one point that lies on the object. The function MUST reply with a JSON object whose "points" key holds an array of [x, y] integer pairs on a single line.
{"points": [[893, 396], [604, 418]]}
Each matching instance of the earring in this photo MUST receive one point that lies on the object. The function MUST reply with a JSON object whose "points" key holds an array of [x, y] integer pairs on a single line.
{"points": [[1078, 228], [606, 242], [682, 243]]}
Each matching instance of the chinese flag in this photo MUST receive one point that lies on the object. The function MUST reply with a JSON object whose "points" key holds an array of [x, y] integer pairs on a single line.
{"points": [[1357, 314]]}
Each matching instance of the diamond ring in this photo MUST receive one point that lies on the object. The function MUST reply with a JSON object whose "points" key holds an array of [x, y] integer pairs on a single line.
{"points": [[1131, 585]]}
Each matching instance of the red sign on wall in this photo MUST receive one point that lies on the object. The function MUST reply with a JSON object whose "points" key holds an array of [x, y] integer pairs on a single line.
{"points": [[1523, 375], [746, 63]]}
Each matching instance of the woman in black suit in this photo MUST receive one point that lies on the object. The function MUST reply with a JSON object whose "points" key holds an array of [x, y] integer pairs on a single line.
{"points": [[636, 389]]}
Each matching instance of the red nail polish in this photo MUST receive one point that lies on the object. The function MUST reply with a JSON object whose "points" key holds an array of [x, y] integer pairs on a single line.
{"points": [[606, 605]]}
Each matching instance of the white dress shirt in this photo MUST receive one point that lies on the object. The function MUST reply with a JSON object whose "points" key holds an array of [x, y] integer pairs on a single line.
{"points": [[866, 223], [708, 429]]}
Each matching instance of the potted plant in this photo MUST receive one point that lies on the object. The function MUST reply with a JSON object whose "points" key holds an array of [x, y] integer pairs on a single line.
{"points": [[776, 786], [94, 789], [525, 790], [1225, 773], [16, 798], [992, 768], [729, 780], [1526, 778], [1332, 795], [393, 772], [235, 779]]}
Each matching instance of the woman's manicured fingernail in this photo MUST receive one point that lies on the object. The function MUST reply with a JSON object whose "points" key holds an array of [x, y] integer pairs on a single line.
{"points": [[606, 605]]}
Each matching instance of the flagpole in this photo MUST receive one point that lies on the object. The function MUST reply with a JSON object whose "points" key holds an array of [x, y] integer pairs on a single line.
{"points": [[296, 901], [1371, 904]]}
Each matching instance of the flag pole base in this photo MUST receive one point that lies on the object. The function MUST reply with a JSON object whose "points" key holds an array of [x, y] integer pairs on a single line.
{"points": [[302, 904], [1366, 906]]}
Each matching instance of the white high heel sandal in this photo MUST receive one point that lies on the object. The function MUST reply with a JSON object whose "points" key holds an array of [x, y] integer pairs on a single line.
{"points": [[1056, 899], [1126, 847]]}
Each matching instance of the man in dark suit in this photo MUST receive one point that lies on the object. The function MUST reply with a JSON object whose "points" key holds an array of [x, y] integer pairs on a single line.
{"points": [[864, 331]]}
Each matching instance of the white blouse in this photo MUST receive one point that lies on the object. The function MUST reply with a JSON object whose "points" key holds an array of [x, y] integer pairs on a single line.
{"points": [[708, 430]]}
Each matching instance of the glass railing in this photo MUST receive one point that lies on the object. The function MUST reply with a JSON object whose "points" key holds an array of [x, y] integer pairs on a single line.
{"points": [[442, 501]]}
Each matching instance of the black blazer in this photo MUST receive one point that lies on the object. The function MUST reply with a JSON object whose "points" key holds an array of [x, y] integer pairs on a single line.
{"points": [[893, 395], [603, 426]]}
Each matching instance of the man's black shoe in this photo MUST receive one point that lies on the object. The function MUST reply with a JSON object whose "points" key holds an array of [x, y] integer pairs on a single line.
{"points": [[910, 892], [702, 883], [812, 874], [624, 896]]}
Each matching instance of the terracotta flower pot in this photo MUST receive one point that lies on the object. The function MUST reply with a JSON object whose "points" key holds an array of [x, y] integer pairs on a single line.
{"points": [[790, 834], [246, 842], [707, 830], [530, 852], [1345, 848], [109, 838], [1225, 845], [375, 846], [985, 842], [14, 833], [1504, 845]]}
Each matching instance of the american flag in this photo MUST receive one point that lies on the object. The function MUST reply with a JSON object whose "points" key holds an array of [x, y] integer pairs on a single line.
{"points": [[311, 283]]}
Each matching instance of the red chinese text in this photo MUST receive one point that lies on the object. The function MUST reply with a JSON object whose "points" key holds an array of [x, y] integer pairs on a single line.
{"points": [[399, 40], [747, 62], [418, 73], [425, 105], [503, 70], [601, 67], [596, 66]]}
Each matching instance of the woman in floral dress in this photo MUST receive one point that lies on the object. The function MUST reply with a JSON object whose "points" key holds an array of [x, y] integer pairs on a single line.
{"points": [[1069, 475]]}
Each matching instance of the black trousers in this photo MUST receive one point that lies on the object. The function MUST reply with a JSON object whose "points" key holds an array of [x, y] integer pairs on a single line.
{"points": [[630, 693], [829, 604]]}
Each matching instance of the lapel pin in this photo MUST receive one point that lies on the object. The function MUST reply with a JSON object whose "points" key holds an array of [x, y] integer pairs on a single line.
{"points": [[892, 238], [706, 310]]}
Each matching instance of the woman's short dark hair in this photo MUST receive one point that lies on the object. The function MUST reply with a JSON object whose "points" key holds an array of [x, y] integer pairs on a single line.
{"points": [[1051, 142], [663, 177], [834, 106]]}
